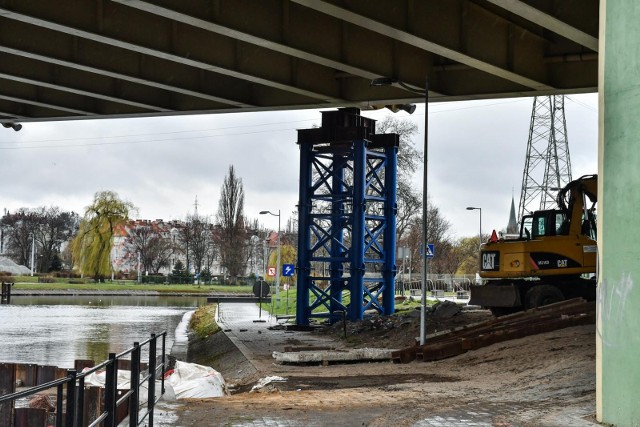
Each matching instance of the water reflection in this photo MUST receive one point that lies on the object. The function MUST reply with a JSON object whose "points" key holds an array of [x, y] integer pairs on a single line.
{"points": [[57, 330]]}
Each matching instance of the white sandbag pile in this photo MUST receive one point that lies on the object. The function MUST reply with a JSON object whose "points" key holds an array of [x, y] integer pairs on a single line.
{"points": [[189, 380]]}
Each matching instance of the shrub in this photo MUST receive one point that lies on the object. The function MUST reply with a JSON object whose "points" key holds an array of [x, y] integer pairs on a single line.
{"points": [[45, 279], [66, 275], [157, 279], [77, 281]]}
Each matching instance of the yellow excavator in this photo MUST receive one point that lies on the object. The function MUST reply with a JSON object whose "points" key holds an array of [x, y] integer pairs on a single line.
{"points": [[554, 257]]}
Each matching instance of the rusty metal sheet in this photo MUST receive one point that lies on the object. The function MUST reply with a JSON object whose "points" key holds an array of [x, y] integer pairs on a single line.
{"points": [[27, 373], [7, 386], [30, 417], [46, 373]]}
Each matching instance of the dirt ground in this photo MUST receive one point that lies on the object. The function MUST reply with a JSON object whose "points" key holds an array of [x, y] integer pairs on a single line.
{"points": [[541, 380]]}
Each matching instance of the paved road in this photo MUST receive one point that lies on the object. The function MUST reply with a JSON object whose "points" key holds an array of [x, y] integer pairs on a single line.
{"points": [[257, 335]]}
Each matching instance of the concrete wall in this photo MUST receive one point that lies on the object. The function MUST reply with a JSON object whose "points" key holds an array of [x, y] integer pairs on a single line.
{"points": [[618, 333]]}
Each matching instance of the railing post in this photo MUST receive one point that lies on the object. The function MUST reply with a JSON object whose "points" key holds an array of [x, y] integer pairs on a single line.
{"points": [[59, 400], [151, 397], [164, 361], [71, 397], [111, 391], [134, 399], [80, 404]]}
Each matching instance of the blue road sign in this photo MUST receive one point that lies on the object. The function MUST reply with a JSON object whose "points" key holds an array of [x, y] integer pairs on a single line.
{"points": [[288, 270], [430, 250]]}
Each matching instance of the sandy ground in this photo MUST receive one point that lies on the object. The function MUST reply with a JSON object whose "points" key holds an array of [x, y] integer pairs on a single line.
{"points": [[542, 380]]}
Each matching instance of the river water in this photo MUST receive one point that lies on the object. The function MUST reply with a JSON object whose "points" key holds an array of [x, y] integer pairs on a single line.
{"points": [[56, 330]]}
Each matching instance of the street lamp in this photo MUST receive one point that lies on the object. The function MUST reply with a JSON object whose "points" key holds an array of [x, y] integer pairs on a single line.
{"points": [[471, 208], [278, 261], [388, 81]]}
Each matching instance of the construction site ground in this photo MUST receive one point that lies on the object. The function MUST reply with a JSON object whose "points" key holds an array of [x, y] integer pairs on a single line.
{"points": [[540, 380]]}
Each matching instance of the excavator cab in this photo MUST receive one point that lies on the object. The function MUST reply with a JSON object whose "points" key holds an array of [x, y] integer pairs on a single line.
{"points": [[548, 223]]}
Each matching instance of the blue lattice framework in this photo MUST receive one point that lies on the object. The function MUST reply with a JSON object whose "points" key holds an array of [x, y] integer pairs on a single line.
{"points": [[347, 218]]}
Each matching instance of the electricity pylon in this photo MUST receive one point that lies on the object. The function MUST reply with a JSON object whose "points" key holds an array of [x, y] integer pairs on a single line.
{"points": [[547, 165]]}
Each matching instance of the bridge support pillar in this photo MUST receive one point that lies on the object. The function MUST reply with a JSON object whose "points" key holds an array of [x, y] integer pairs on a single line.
{"points": [[347, 218]]}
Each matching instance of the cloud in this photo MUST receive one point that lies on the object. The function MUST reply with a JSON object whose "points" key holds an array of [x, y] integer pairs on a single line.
{"points": [[476, 157]]}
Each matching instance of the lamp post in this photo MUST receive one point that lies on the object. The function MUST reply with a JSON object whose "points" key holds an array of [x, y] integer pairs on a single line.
{"points": [[387, 81], [471, 208], [33, 253], [278, 261]]}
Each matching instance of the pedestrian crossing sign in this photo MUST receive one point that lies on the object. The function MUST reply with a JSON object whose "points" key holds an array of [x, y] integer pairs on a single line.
{"points": [[430, 250]]}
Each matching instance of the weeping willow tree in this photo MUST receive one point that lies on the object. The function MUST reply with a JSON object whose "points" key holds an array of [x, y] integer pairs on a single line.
{"points": [[91, 248]]}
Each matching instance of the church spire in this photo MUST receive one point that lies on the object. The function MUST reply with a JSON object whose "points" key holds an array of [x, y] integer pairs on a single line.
{"points": [[512, 228]]}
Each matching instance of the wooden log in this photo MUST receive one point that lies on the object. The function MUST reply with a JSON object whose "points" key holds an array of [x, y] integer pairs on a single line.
{"points": [[405, 355], [439, 351]]}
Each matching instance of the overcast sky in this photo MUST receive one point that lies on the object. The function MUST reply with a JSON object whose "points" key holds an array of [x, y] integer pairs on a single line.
{"points": [[476, 158]]}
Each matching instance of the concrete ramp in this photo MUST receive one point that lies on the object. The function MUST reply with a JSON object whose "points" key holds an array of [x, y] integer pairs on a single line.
{"points": [[326, 357]]}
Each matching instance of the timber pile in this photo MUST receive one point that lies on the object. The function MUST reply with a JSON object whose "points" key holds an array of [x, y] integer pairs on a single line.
{"points": [[551, 317]]}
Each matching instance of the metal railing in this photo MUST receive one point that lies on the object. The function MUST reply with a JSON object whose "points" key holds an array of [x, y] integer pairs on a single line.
{"points": [[443, 283], [72, 403]]}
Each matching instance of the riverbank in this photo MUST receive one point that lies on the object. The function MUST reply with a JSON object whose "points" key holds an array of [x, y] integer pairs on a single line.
{"points": [[208, 345], [127, 286], [126, 292]]}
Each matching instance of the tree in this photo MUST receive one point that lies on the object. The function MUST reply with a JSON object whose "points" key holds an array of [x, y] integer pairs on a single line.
{"points": [[92, 245], [47, 228], [467, 254], [408, 199], [232, 233], [437, 228], [155, 249], [200, 230], [19, 231], [288, 255], [55, 228]]}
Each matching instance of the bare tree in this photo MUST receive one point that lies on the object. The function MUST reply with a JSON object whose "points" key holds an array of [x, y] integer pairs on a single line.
{"points": [[155, 250], [232, 233], [201, 240], [185, 240], [47, 228], [55, 228], [19, 231], [408, 199], [437, 228]]}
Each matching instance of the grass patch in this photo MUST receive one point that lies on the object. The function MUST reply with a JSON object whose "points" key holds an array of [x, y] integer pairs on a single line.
{"points": [[132, 286], [282, 307], [203, 321]]}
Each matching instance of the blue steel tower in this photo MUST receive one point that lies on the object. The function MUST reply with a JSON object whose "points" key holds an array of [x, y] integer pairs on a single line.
{"points": [[347, 219]]}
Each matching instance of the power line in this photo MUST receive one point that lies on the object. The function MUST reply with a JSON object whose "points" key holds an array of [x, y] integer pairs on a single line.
{"points": [[94, 144], [85, 144], [155, 133], [584, 104]]}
